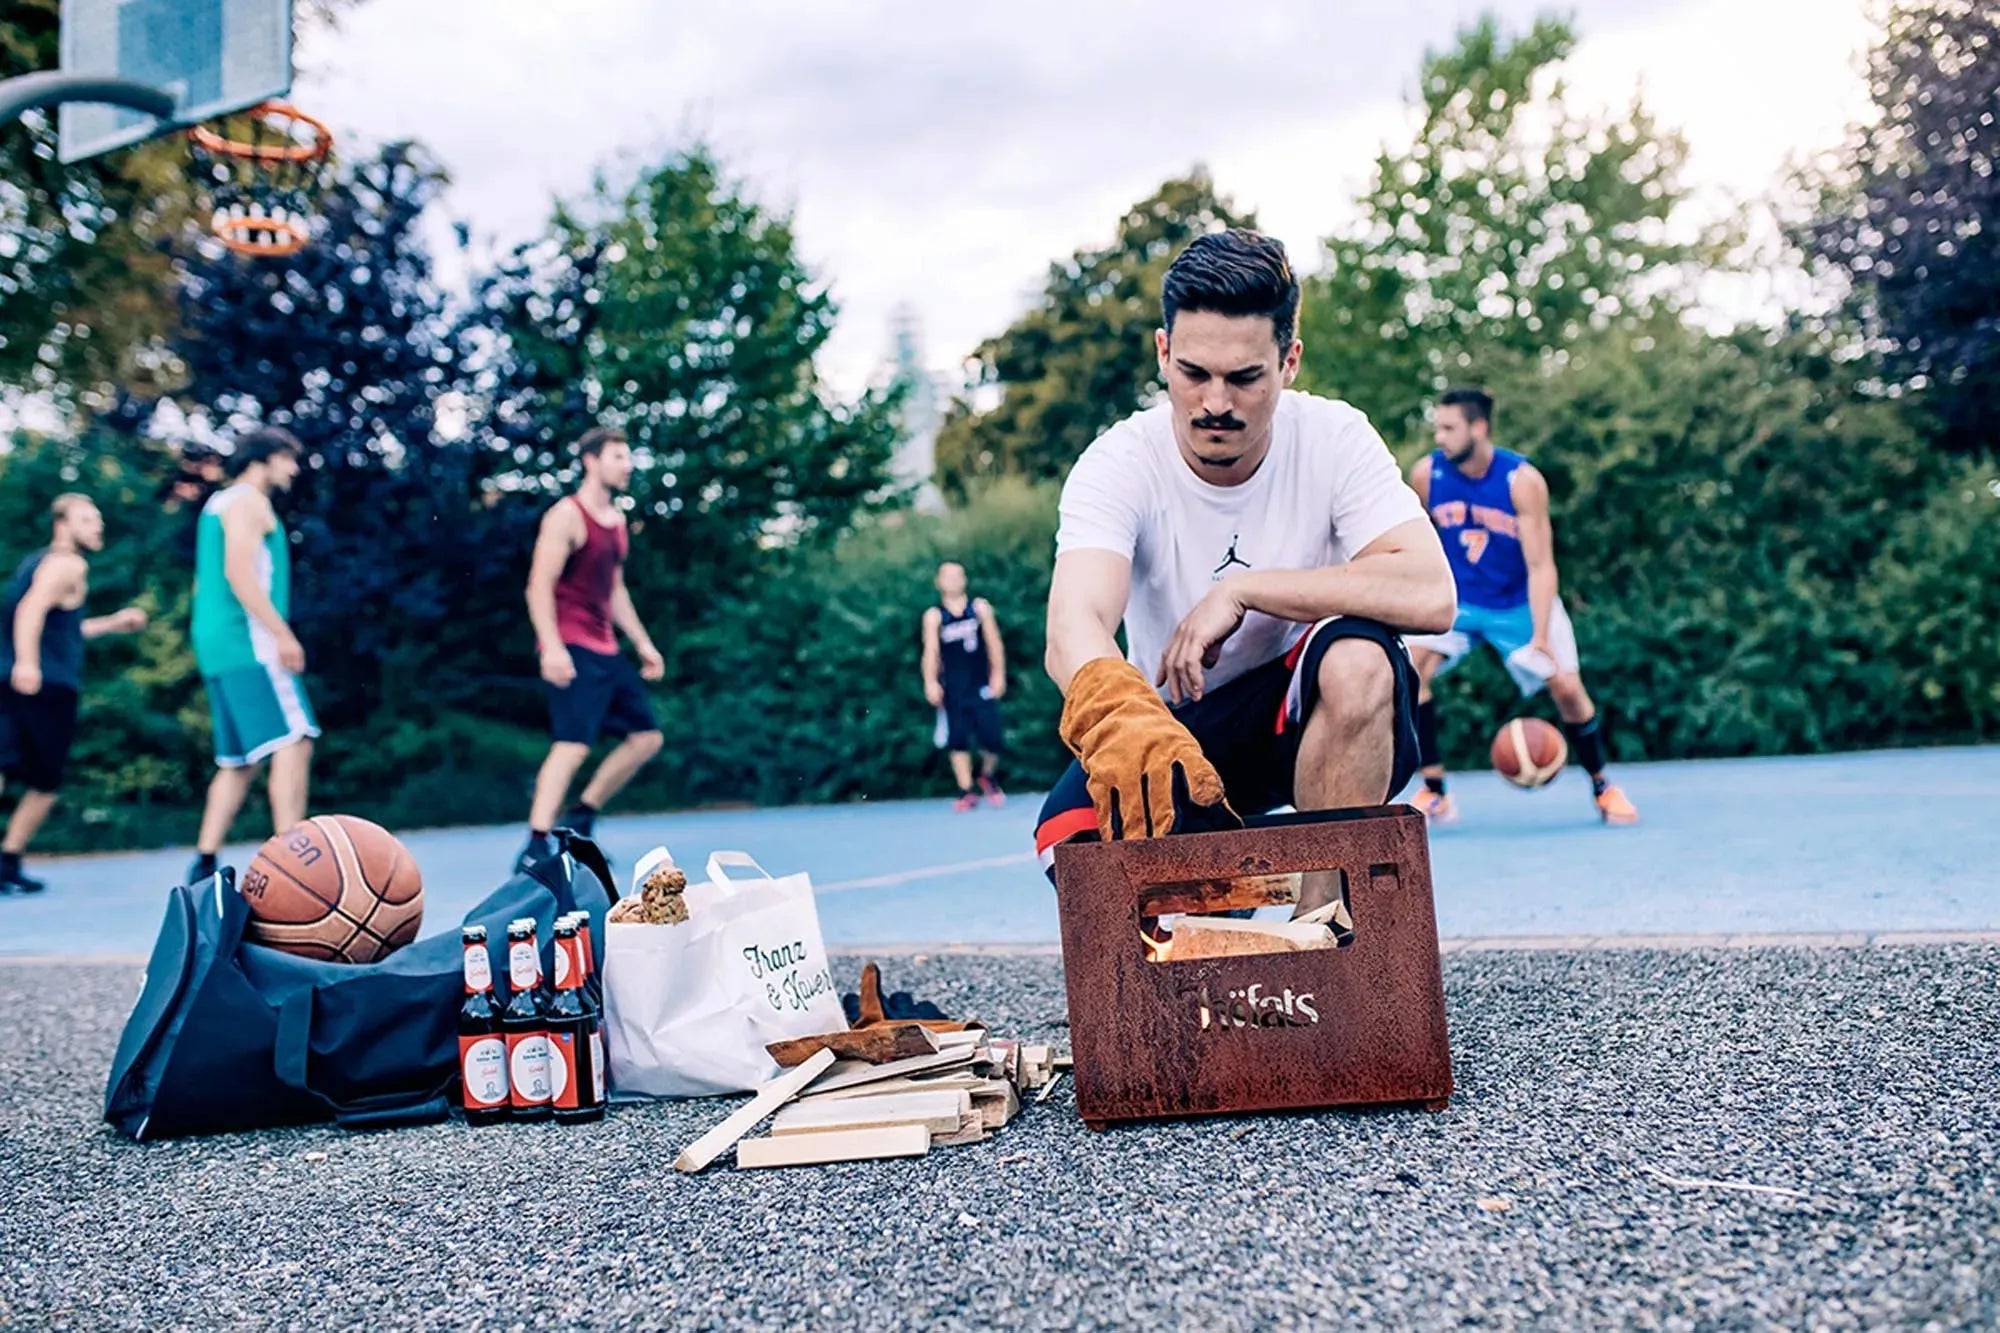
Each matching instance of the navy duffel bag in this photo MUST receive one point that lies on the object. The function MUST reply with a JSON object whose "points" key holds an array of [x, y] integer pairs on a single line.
{"points": [[229, 1035]]}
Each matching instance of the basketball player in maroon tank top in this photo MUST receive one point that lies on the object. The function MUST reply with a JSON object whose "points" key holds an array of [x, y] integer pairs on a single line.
{"points": [[577, 601]]}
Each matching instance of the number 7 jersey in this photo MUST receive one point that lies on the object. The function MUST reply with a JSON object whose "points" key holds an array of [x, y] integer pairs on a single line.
{"points": [[1482, 538]]}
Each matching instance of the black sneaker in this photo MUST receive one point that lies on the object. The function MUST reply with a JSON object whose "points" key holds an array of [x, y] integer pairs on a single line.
{"points": [[539, 847], [17, 880], [204, 867]]}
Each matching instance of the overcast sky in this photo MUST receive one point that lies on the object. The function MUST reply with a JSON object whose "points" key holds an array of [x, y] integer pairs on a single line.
{"points": [[942, 154]]}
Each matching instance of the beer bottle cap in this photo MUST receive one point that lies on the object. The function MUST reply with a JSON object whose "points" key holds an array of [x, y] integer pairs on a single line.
{"points": [[472, 934], [565, 927], [520, 930]]}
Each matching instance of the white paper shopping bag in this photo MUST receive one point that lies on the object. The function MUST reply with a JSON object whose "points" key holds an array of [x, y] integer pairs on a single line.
{"points": [[688, 1008]]}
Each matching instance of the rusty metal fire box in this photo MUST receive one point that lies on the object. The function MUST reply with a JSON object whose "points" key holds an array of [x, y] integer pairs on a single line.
{"points": [[1357, 1025]]}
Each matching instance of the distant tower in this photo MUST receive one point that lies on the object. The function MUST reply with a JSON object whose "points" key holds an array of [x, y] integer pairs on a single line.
{"points": [[915, 460]]}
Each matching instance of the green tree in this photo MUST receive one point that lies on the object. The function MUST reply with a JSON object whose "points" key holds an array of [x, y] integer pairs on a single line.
{"points": [[1513, 225], [1083, 359], [1930, 607], [86, 292], [845, 718], [1911, 216], [679, 306]]}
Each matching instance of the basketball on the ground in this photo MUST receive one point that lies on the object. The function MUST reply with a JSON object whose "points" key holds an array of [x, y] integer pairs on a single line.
{"points": [[1528, 752], [334, 887]]}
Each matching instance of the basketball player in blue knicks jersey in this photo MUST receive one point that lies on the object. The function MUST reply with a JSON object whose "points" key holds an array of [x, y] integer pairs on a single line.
{"points": [[1491, 508]]}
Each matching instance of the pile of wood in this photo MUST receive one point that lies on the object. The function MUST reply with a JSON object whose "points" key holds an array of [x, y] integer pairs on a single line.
{"points": [[1179, 922], [888, 1090]]}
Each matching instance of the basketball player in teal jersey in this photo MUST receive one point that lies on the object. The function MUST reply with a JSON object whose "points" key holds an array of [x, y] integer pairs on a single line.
{"points": [[250, 661], [1491, 507]]}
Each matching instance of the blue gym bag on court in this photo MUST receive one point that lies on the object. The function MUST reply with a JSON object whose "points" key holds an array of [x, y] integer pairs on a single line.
{"points": [[229, 1035]]}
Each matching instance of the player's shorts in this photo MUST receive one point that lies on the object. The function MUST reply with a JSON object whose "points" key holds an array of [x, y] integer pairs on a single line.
{"points": [[964, 725], [1251, 730], [35, 734], [1509, 632], [607, 698], [256, 712]]}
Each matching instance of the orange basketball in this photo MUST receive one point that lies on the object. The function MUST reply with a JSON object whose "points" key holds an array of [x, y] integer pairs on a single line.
{"points": [[334, 887], [1528, 752]]}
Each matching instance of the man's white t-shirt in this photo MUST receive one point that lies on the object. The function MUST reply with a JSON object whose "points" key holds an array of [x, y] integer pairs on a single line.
{"points": [[1327, 489]]}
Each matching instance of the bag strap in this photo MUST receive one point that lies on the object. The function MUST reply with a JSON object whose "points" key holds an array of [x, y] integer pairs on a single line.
{"points": [[550, 873], [742, 860], [292, 1062]]}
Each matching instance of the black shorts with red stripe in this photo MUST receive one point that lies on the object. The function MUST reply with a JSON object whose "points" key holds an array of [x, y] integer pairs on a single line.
{"points": [[1251, 730]]}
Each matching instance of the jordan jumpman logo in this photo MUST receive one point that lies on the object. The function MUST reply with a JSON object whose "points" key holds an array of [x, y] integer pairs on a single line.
{"points": [[1232, 558]]}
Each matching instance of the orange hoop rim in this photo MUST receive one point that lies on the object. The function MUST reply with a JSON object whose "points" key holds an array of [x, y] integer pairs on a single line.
{"points": [[291, 236], [321, 145]]}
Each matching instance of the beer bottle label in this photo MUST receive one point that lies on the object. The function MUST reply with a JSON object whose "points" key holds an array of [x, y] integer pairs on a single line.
{"points": [[528, 1068], [597, 1064], [483, 1061], [478, 969], [562, 1069], [563, 968], [523, 968]]}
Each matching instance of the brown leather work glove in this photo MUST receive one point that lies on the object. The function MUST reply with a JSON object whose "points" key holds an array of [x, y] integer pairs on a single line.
{"points": [[1136, 754]]}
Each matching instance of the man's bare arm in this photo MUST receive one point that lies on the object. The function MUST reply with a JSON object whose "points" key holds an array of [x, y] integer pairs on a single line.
{"points": [[996, 651], [1087, 600], [1530, 490], [933, 686], [1401, 578], [625, 615], [129, 621], [1420, 480], [559, 536], [245, 525]]}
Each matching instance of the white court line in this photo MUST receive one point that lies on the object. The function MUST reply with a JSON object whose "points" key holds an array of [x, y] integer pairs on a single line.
{"points": [[924, 872]]}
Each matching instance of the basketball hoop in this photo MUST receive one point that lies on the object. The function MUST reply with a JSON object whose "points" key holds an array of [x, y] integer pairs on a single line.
{"points": [[263, 171]]}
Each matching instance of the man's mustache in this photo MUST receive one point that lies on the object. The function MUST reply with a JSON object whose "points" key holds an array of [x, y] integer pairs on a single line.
{"points": [[1223, 422]]}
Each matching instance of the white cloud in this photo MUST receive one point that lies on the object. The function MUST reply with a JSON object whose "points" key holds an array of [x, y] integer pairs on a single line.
{"points": [[943, 155]]}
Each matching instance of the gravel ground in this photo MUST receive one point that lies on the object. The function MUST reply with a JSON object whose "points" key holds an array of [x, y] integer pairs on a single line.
{"points": [[1865, 1080]]}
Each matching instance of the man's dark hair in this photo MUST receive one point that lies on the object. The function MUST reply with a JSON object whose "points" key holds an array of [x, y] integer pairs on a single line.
{"points": [[592, 442], [1234, 272], [260, 446], [1476, 404]]}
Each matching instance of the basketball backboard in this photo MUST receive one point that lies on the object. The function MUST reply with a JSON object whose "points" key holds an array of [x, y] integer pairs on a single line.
{"points": [[215, 56]]}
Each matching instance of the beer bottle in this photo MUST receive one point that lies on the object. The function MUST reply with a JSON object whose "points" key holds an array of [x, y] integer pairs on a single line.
{"points": [[573, 1080], [527, 1026], [600, 1071], [593, 1000], [482, 1047], [593, 986]]}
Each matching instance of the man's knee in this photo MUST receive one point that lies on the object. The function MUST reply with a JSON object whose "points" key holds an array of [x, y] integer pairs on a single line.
{"points": [[1566, 688], [569, 754], [646, 744], [1357, 682]]}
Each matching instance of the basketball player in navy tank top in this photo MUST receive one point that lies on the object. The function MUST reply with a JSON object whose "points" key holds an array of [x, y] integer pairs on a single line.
{"points": [[1491, 508], [965, 677], [577, 602]]}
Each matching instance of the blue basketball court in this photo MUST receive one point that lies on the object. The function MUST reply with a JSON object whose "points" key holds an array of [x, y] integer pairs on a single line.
{"points": [[1870, 843]]}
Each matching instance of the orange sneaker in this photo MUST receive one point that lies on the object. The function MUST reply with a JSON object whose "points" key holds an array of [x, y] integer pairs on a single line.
{"points": [[1437, 808], [1615, 808]]}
